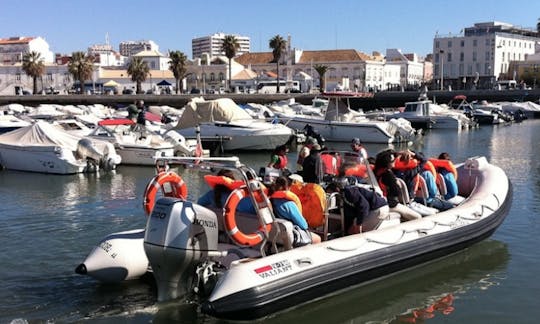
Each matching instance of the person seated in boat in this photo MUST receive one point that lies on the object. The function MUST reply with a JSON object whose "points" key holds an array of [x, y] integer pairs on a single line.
{"points": [[358, 204], [303, 153], [312, 166], [278, 159], [446, 168], [222, 184], [384, 163], [286, 205], [427, 171]]}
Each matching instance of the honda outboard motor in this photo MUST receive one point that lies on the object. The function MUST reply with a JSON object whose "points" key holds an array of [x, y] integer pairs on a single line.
{"points": [[179, 236]]}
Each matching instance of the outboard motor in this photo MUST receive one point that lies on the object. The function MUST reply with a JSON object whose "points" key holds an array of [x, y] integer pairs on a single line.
{"points": [[179, 236], [180, 144], [85, 149], [110, 158]]}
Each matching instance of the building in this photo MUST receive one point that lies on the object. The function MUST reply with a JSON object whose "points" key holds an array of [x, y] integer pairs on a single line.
{"points": [[12, 76], [154, 59], [130, 48], [410, 69], [212, 45], [348, 69], [13, 49], [104, 55], [481, 55]]}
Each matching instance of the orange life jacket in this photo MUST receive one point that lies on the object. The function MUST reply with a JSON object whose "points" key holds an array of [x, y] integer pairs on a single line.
{"points": [[444, 164], [289, 195], [213, 180]]}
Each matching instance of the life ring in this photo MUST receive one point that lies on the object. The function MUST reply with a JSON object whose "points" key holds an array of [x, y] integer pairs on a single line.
{"points": [[229, 215], [178, 189]]}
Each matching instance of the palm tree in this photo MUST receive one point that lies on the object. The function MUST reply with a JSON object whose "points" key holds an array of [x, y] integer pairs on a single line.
{"points": [[321, 69], [278, 46], [138, 70], [81, 67], [230, 46], [33, 66], [177, 65]]}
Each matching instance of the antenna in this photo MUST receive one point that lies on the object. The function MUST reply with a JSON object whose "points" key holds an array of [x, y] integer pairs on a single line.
{"points": [[107, 38]]}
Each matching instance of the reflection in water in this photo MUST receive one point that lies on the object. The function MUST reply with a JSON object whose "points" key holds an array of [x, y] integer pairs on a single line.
{"points": [[434, 286]]}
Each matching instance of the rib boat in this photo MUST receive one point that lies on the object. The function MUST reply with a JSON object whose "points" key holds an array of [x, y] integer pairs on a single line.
{"points": [[244, 267]]}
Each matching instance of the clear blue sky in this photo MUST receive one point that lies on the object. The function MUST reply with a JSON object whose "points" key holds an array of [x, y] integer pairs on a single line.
{"points": [[366, 26]]}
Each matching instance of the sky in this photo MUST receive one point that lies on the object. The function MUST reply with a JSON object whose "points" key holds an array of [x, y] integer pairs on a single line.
{"points": [[366, 26]]}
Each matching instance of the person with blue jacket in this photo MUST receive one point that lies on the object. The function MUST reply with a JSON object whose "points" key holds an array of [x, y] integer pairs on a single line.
{"points": [[217, 197]]}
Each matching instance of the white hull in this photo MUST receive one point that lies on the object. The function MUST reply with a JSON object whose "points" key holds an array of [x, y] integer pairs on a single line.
{"points": [[43, 159], [369, 132], [256, 135], [134, 155]]}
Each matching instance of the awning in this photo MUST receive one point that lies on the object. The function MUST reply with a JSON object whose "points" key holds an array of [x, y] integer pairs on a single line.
{"points": [[164, 83], [111, 83]]}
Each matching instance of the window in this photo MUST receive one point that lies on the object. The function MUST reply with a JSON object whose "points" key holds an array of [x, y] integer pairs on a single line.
{"points": [[212, 77], [49, 77], [449, 44], [449, 58], [488, 56], [461, 57], [474, 56], [488, 42], [18, 77], [475, 42], [461, 69], [221, 76], [462, 43]]}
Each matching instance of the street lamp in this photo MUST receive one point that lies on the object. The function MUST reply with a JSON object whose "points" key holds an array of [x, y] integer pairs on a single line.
{"points": [[441, 52]]}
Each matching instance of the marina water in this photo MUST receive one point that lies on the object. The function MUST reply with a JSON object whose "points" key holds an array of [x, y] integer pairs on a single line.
{"points": [[50, 223]]}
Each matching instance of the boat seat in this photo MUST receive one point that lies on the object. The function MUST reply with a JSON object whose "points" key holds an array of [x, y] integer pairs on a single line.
{"points": [[441, 185], [421, 190], [333, 212], [380, 218], [282, 233], [406, 200]]}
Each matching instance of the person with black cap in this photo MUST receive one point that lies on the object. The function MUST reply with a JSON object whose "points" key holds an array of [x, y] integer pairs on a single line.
{"points": [[358, 148], [141, 117]]}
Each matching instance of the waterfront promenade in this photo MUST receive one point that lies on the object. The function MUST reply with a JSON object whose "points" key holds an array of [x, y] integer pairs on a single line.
{"points": [[385, 99]]}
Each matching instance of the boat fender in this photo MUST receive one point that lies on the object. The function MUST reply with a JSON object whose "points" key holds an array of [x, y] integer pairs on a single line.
{"points": [[171, 185], [229, 215]]}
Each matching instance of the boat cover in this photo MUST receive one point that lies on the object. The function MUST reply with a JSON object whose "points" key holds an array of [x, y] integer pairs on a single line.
{"points": [[199, 111], [40, 133]]}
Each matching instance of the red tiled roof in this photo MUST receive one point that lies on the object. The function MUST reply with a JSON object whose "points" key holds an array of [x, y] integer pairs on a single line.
{"points": [[15, 40], [310, 56], [255, 58]]}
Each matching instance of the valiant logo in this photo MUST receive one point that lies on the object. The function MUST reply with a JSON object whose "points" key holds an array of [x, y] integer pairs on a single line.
{"points": [[273, 269]]}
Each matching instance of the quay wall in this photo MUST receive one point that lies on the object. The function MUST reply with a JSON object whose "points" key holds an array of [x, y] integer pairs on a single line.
{"points": [[379, 100]]}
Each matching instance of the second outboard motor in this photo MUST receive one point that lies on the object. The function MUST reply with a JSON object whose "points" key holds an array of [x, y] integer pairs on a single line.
{"points": [[179, 236], [85, 149]]}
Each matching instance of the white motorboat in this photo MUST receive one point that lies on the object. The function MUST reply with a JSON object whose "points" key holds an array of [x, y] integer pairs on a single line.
{"points": [[9, 123], [426, 115], [135, 144], [42, 147], [223, 121], [341, 124], [245, 276], [521, 110]]}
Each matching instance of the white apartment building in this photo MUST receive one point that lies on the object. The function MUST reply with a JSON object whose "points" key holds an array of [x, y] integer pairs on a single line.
{"points": [[481, 55], [130, 48], [212, 45], [411, 69], [56, 76], [106, 56], [13, 49], [154, 59]]}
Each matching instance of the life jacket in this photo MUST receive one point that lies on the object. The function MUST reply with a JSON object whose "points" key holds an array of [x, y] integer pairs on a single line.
{"points": [[288, 195], [359, 170], [313, 199], [378, 175], [401, 165], [329, 164], [445, 165], [214, 180], [282, 162], [428, 166]]}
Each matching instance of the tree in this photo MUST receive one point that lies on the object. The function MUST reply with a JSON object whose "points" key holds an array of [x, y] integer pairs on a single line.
{"points": [[177, 65], [321, 69], [34, 67], [138, 70], [81, 67], [230, 46], [278, 46]]}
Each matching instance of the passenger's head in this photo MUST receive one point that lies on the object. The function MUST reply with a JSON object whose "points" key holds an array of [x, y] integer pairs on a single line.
{"points": [[281, 183], [281, 149], [139, 104], [356, 144], [444, 156], [226, 173], [316, 148], [311, 141], [384, 160]]}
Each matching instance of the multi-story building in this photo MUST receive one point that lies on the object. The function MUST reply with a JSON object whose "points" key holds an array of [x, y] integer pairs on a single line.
{"points": [[13, 49], [212, 45], [481, 55], [411, 69], [105, 55], [130, 48]]}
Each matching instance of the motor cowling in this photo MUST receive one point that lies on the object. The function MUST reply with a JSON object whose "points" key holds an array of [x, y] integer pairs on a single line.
{"points": [[179, 235]]}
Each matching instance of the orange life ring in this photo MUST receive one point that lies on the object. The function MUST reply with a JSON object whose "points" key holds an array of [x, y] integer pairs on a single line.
{"points": [[445, 164], [178, 189], [289, 195], [229, 215], [213, 180]]}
